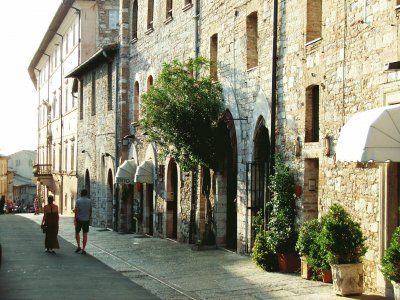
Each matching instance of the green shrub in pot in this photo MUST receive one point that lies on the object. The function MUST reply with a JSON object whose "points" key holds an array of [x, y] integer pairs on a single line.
{"points": [[341, 237], [391, 258]]}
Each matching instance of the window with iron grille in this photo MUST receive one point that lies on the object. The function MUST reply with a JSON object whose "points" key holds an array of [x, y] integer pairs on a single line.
{"points": [[257, 191]]}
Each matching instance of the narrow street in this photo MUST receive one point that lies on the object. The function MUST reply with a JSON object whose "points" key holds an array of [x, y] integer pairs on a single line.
{"points": [[169, 270], [27, 272]]}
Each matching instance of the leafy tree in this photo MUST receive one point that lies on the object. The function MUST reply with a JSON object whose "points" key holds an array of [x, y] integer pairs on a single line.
{"points": [[180, 113]]}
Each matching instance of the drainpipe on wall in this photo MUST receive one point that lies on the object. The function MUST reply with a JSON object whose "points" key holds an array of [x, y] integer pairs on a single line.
{"points": [[196, 29], [48, 150], [195, 174], [273, 84], [38, 187], [117, 138], [61, 126]]}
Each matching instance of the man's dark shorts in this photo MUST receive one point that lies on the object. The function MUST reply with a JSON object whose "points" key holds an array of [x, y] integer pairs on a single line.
{"points": [[84, 225]]}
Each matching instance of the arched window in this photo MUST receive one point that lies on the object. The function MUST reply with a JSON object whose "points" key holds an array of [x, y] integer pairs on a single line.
{"points": [[252, 40], [149, 82], [136, 103], [150, 14], [87, 182], [312, 114], [134, 20]]}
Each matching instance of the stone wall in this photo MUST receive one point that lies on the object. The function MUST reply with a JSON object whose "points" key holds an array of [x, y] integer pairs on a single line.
{"points": [[96, 136], [346, 63]]}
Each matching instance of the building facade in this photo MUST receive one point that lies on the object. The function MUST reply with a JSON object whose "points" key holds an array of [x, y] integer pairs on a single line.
{"points": [[330, 60], [293, 74], [3, 179], [22, 183], [74, 35], [97, 131]]}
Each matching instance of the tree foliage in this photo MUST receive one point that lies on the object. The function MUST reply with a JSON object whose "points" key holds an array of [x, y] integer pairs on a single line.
{"points": [[341, 237], [391, 258], [283, 235], [180, 113]]}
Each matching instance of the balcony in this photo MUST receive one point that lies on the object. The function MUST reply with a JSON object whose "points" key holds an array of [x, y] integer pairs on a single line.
{"points": [[42, 170], [43, 173]]}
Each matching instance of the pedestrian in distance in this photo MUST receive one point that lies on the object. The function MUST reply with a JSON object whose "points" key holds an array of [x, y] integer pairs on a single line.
{"points": [[36, 206], [50, 222], [83, 214]]}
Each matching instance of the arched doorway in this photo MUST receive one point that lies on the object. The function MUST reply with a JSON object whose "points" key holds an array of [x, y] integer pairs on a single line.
{"points": [[149, 221], [228, 168], [109, 199], [87, 182], [259, 175], [172, 200]]}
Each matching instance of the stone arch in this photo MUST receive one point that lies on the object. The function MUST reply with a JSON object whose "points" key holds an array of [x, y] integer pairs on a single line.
{"points": [[226, 184], [109, 198], [259, 174], [150, 81], [172, 193], [87, 182]]}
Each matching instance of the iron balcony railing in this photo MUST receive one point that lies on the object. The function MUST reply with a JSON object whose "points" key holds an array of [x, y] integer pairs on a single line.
{"points": [[42, 170]]}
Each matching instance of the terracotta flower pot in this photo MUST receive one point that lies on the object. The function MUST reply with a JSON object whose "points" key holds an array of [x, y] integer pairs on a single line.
{"points": [[288, 263], [327, 276]]}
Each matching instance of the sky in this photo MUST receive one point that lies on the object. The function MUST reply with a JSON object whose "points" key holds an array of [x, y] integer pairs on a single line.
{"points": [[22, 27]]}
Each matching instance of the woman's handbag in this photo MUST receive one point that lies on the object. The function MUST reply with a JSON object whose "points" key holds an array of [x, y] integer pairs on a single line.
{"points": [[44, 228]]}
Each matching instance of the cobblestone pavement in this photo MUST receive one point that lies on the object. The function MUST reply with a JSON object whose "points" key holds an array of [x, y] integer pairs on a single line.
{"points": [[171, 270]]}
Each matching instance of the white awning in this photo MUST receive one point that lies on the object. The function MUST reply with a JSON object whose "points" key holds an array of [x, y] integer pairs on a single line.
{"points": [[126, 172], [145, 172], [372, 135]]}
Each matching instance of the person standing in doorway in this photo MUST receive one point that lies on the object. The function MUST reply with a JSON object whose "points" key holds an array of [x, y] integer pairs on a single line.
{"points": [[83, 214], [50, 221]]}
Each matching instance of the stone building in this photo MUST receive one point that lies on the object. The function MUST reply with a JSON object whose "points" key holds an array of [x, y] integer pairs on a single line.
{"points": [[330, 60], [293, 74], [97, 150], [76, 32]]}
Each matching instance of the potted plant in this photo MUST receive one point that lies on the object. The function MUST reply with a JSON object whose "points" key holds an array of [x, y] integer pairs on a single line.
{"points": [[314, 259], [343, 243], [262, 253], [391, 263], [282, 232]]}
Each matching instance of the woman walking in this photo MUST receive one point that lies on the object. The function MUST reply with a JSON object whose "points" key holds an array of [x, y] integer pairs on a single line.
{"points": [[50, 221]]}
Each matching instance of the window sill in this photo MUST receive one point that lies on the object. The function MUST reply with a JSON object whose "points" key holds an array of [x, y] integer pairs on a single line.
{"points": [[397, 7], [251, 69], [313, 41], [168, 20], [187, 7], [149, 30]]}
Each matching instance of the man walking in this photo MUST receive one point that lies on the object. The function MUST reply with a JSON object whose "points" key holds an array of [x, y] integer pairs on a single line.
{"points": [[83, 214]]}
